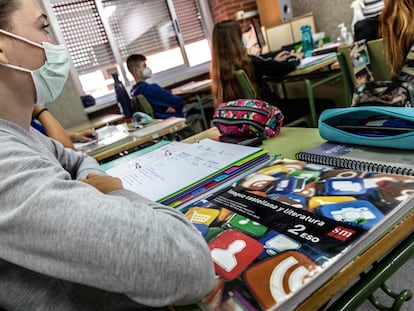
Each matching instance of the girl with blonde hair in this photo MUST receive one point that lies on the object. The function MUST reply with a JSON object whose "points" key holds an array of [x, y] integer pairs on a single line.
{"points": [[397, 28]]}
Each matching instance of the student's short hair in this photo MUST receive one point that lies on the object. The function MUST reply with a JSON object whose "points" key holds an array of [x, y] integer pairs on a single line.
{"points": [[134, 60]]}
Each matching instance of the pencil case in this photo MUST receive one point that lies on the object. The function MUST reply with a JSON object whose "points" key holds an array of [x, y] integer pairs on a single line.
{"points": [[248, 118], [377, 126]]}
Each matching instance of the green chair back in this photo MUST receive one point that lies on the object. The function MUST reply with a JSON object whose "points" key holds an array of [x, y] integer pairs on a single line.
{"points": [[245, 84], [379, 67], [140, 103]]}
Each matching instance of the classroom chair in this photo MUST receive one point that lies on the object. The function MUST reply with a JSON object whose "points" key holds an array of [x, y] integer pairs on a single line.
{"points": [[379, 68], [245, 84], [249, 92], [140, 103]]}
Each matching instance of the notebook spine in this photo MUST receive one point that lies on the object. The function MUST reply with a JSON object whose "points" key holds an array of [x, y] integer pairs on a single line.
{"points": [[353, 164]]}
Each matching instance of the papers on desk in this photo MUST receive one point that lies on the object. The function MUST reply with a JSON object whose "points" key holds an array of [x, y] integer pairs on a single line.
{"points": [[178, 173], [157, 127], [190, 87], [313, 60], [111, 135], [107, 136]]}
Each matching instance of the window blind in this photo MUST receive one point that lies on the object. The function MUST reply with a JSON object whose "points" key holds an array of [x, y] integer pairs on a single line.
{"points": [[189, 20], [143, 27], [84, 34]]}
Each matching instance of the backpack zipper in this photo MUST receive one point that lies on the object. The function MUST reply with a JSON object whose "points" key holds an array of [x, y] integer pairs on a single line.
{"points": [[240, 108]]}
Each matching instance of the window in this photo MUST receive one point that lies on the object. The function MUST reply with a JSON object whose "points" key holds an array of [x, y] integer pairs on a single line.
{"points": [[101, 34]]}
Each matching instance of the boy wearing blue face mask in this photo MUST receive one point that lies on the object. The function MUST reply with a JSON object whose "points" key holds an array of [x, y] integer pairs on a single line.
{"points": [[72, 238], [163, 103]]}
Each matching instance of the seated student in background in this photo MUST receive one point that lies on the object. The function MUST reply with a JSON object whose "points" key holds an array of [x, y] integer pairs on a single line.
{"points": [[229, 55], [365, 22], [163, 103], [397, 28], [72, 238], [46, 123]]}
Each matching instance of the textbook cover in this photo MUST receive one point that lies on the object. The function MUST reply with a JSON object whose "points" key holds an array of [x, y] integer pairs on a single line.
{"points": [[278, 234]]}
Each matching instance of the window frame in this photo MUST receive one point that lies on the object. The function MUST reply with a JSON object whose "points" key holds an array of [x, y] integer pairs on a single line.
{"points": [[164, 78]]}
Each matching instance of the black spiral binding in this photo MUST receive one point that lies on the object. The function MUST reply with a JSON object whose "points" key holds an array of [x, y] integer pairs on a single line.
{"points": [[353, 164]]}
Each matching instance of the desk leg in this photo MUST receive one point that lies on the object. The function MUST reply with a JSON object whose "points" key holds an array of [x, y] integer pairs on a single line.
{"points": [[311, 98], [376, 277], [203, 115]]}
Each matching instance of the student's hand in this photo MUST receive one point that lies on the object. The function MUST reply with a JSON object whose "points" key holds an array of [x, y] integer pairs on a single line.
{"points": [[170, 110], [298, 53], [104, 184], [84, 136], [281, 56]]}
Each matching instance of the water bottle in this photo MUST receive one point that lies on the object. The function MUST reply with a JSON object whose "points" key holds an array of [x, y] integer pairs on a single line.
{"points": [[307, 40], [123, 99]]}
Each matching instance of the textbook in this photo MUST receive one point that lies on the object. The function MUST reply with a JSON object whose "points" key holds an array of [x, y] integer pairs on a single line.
{"points": [[178, 173], [278, 234], [381, 160]]}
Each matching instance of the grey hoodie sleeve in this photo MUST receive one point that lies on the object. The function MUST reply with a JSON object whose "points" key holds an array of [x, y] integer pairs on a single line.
{"points": [[60, 227]]}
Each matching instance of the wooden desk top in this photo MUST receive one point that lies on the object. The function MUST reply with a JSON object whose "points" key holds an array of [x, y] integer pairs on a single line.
{"points": [[97, 122], [135, 140], [323, 63], [192, 87]]}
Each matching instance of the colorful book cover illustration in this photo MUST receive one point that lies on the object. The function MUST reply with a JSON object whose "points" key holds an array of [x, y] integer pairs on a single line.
{"points": [[275, 232]]}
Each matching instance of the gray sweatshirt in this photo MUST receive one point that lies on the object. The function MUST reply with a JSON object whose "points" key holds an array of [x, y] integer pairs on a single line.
{"points": [[64, 245]]}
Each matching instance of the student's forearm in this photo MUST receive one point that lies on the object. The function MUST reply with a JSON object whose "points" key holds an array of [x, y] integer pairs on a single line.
{"points": [[53, 128]]}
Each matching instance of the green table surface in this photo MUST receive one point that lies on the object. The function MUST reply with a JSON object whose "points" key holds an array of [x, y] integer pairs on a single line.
{"points": [[290, 140]]}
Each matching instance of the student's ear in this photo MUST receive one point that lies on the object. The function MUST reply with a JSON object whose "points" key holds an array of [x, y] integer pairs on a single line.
{"points": [[3, 55]]}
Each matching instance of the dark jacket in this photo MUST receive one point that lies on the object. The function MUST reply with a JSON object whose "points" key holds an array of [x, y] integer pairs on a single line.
{"points": [[160, 99], [266, 67]]}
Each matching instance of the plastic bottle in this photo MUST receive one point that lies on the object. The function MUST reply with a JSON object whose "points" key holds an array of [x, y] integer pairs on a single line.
{"points": [[307, 40], [123, 99], [345, 37]]}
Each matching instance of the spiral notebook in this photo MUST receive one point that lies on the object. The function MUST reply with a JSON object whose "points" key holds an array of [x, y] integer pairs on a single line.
{"points": [[379, 160], [279, 233]]}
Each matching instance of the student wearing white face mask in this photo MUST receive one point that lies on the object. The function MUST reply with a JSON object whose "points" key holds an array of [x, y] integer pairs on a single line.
{"points": [[72, 238], [163, 103]]}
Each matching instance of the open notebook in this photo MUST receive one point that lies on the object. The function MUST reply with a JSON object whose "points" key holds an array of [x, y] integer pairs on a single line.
{"points": [[177, 173]]}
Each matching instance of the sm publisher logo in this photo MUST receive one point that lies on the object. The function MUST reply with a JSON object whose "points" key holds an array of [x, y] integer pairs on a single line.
{"points": [[341, 233]]}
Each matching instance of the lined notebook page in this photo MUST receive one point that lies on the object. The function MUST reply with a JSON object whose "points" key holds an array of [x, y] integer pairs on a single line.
{"points": [[175, 170]]}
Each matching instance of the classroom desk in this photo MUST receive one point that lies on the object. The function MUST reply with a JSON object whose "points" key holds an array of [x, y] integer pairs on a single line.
{"points": [[97, 122], [134, 141], [196, 88], [313, 76], [290, 141], [284, 144]]}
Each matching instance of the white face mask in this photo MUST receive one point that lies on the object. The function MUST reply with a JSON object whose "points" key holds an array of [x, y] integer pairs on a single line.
{"points": [[147, 73], [244, 42], [51, 77]]}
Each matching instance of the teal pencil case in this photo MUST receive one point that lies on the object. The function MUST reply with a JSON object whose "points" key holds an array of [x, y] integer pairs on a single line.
{"points": [[378, 126]]}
